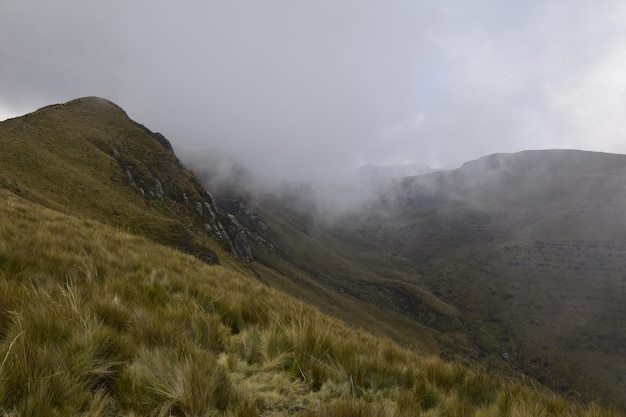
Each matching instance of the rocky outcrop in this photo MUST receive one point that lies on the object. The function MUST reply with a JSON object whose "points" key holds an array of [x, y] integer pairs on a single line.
{"points": [[250, 221], [224, 227], [238, 239], [148, 185], [163, 141], [219, 224]]}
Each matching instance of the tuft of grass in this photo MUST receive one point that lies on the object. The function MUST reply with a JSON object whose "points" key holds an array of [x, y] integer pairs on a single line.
{"points": [[158, 382]]}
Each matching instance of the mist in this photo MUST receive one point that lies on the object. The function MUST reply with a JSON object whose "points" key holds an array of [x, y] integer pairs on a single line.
{"points": [[324, 199]]}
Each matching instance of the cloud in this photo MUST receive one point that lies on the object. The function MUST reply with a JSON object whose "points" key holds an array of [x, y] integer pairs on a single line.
{"points": [[302, 89], [54, 50]]}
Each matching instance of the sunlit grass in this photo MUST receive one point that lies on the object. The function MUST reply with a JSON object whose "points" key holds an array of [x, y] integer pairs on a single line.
{"points": [[94, 321]]}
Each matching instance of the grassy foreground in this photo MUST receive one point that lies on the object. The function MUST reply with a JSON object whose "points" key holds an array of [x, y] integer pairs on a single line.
{"points": [[97, 322]]}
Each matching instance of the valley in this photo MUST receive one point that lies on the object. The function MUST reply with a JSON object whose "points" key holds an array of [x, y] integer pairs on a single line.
{"points": [[521, 254]]}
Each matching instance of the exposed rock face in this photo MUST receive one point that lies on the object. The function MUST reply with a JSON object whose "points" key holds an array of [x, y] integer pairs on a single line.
{"points": [[147, 185], [238, 238], [213, 226], [232, 236], [163, 141], [219, 224], [251, 223], [156, 191], [208, 213]]}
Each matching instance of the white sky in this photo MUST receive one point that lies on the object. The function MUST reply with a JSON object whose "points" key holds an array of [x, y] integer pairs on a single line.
{"points": [[6, 113], [295, 89]]}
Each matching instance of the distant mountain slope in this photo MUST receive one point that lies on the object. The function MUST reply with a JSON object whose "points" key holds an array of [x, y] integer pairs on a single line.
{"points": [[531, 178], [531, 248]]}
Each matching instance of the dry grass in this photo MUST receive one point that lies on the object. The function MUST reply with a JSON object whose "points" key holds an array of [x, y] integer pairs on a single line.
{"points": [[97, 322]]}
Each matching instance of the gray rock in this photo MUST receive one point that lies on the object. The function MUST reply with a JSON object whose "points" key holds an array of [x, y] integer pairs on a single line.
{"points": [[238, 238], [157, 189]]}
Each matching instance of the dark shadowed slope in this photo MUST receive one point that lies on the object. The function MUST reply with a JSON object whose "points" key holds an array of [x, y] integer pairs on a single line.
{"points": [[531, 248]]}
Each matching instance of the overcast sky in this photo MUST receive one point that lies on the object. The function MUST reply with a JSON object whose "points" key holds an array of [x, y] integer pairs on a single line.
{"points": [[295, 88]]}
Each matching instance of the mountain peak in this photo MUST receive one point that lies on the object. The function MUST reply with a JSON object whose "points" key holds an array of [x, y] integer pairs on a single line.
{"points": [[87, 105]]}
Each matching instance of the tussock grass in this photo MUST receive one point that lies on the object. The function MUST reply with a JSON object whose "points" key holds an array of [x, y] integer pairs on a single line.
{"points": [[97, 322]]}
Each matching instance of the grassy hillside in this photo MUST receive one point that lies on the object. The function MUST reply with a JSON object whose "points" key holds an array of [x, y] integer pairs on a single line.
{"points": [[99, 322], [87, 158], [373, 288]]}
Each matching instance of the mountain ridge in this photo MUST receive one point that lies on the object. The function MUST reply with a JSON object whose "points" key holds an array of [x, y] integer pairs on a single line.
{"points": [[112, 162]]}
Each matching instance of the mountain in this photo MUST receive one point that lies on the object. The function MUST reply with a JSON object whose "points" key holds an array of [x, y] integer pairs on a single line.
{"points": [[531, 248], [87, 158], [104, 312]]}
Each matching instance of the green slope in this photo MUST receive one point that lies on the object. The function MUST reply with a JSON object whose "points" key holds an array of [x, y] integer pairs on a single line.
{"points": [[348, 275], [87, 158]]}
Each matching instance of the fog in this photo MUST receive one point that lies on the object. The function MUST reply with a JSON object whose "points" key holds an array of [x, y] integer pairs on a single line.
{"points": [[302, 90], [325, 199]]}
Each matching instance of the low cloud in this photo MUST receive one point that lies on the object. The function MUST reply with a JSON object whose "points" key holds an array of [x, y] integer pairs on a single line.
{"points": [[308, 90]]}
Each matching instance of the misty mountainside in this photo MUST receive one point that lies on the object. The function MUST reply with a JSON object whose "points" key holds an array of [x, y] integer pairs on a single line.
{"points": [[529, 178], [531, 249], [440, 263], [523, 254]]}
